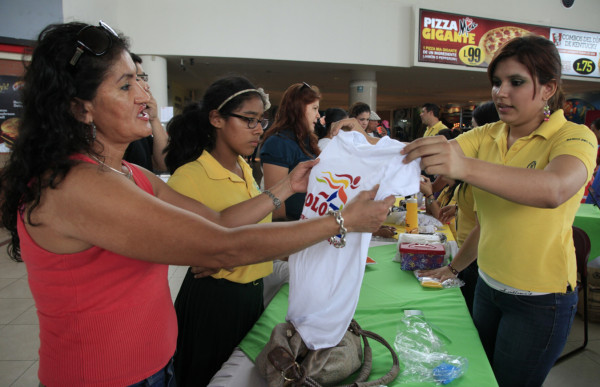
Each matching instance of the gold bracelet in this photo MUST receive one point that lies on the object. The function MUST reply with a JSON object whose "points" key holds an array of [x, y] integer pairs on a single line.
{"points": [[452, 269]]}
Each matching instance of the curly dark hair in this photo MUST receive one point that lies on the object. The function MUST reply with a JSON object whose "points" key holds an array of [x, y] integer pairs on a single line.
{"points": [[190, 133], [291, 115], [358, 108], [49, 133]]}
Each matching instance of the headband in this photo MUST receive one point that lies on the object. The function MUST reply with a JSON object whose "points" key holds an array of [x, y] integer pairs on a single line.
{"points": [[260, 91]]}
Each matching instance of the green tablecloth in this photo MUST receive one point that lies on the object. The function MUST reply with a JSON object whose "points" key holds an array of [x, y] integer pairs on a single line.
{"points": [[588, 219], [385, 293]]}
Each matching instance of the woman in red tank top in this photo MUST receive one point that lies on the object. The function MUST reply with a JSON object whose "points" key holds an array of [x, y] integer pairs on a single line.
{"points": [[97, 233]]}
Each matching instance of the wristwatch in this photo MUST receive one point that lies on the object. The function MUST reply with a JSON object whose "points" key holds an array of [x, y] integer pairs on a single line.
{"points": [[429, 200], [276, 201]]}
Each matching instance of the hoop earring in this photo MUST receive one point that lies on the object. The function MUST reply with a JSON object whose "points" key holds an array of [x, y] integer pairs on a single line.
{"points": [[546, 112]]}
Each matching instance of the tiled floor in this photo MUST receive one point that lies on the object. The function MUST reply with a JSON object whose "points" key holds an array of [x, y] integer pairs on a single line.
{"points": [[19, 334]]}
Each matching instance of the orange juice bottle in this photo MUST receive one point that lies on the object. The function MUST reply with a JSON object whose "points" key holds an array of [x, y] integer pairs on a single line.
{"points": [[412, 217]]}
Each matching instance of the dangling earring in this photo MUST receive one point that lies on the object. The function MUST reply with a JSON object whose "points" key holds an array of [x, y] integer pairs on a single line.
{"points": [[546, 112], [93, 131]]}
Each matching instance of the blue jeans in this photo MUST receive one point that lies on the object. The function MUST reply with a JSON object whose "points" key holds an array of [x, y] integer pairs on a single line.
{"points": [[163, 378], [522, 335]]}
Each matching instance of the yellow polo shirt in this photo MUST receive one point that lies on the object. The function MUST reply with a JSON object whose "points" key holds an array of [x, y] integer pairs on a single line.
{"points": [[446, 198], [435, 129], [465, 218], [525, 247], [208, 182]]}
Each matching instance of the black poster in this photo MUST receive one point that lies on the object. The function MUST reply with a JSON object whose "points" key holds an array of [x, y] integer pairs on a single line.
{"points": [[10, 106]]}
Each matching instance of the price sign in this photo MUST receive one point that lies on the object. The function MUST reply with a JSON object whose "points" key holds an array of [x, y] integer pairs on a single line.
{"points": [[471, 55], [584, 66]]}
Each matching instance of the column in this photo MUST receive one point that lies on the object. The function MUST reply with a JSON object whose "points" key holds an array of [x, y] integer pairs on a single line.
{"points": [[363, 88], [156, 68]]}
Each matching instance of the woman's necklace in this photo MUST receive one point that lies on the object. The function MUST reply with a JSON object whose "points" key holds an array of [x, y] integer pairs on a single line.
{"points": [[128, 175]]}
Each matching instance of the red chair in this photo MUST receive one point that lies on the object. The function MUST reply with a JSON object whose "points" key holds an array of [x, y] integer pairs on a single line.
{"points": [[582, 252]]}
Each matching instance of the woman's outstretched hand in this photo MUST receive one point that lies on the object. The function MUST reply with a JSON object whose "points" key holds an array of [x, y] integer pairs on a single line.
{"points": [[298, 178], [442, 273], [438, 156]]}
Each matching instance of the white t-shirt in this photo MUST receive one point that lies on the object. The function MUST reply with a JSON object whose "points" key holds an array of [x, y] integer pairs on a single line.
{"points": [[323, 143], [325, 281]]}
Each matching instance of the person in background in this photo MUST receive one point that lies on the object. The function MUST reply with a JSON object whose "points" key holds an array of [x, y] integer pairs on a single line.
{"points": [[373, 124], [430, 116], [147, 152], [289, 141], [439, 194], [332, 115], [485, 113], [595, 128], [528, 172], [383, 128], [464, 210], [361, 111], [205, 157], [595, 182], [97, 233]]}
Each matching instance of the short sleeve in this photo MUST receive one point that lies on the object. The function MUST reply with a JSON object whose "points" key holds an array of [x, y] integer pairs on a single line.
{"points": [[192, 185], [470, 141], [276, 151], [579, 141]]}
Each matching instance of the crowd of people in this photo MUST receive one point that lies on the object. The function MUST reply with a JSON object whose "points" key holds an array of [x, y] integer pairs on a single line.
{"points": [[97, 232]]}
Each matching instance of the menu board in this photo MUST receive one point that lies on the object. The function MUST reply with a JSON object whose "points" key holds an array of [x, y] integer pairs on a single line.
{"points": [[466, 40], [10, 108], [579, 51]]}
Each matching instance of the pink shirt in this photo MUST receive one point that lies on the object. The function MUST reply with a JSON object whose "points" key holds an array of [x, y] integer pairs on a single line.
{"points": [[105, 319]]}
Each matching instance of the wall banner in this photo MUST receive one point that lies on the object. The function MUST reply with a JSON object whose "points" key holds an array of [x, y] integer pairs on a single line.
{"points": [[472, 41], [466, 40], [579, 51]]}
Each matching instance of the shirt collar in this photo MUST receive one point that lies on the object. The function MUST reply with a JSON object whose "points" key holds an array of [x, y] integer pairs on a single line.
{"points": [[216, 171], [546, 130]]}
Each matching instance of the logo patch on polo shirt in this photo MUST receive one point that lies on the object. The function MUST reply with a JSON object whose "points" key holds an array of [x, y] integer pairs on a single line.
{"points": [[532, 165]]}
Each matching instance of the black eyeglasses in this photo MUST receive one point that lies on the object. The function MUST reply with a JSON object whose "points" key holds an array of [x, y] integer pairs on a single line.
{"points": [[252, 122], [142, 76], [96, 40]]}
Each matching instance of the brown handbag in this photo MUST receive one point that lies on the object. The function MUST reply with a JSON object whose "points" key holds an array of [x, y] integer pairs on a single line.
{"points": [[286, 361]]}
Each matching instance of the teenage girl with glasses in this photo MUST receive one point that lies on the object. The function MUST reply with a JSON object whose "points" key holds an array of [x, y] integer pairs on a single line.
{"points": [[205, 155]]}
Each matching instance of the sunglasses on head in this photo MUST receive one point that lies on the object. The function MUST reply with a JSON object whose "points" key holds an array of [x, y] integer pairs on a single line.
{"points": [[96, 40], [304, 84]]}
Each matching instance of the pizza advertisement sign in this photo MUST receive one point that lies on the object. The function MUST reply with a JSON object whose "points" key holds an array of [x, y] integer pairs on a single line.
{"points": [[466, 40], [579, 51], [10, 108]]}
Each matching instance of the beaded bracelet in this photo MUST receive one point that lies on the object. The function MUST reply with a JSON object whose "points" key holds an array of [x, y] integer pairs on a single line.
{"points": [[339, 240], [452, 269], [276, 201]]}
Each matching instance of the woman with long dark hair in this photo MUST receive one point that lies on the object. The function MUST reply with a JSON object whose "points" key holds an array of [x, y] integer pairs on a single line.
{"points": [[528, 172], [97, 233]]}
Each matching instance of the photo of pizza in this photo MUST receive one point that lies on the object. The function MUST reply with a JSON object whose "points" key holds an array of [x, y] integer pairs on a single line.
{"points": [[495, 38], [9, 131]]}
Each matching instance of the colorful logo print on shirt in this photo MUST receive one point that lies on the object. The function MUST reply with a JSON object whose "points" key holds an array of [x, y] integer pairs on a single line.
{"points": [[334, 195]]}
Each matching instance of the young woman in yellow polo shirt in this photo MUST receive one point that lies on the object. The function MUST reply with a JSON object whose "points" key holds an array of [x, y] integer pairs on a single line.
{"points": [[528, 172], [205, 156]]}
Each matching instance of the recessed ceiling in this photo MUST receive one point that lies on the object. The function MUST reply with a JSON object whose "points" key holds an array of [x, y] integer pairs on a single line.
{"points": [[396, 87]]}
